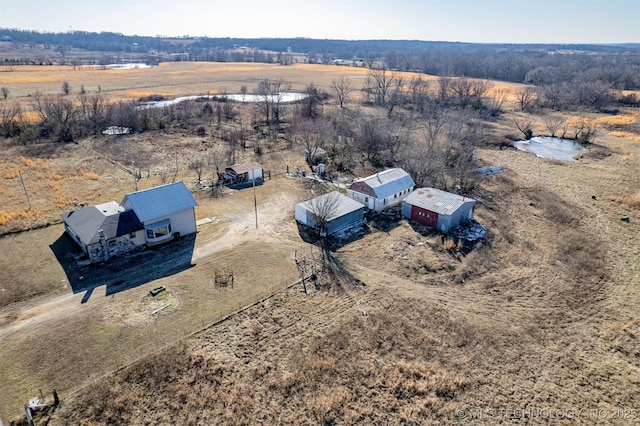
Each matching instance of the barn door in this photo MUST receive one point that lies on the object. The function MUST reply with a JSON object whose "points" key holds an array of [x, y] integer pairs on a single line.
{"points": [[424, 217]]}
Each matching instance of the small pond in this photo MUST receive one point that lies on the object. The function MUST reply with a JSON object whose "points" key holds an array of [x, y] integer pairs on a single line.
{"points": [[548, 147]]}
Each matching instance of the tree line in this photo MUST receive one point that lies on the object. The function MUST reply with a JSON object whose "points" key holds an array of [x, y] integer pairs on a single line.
{"points": [[614, 66]]}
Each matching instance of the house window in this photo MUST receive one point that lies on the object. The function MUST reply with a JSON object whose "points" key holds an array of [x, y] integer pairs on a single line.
{"points": [[159, 229], [132, 235], [161, 232]]}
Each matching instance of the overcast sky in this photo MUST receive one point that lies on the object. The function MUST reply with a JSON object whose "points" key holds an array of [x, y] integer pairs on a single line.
{"points": [[503, 21]]}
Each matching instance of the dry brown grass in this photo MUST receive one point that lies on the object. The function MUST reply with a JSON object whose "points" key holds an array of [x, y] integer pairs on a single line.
{"points": [[169, 79], [543, 314], [543, 319]]}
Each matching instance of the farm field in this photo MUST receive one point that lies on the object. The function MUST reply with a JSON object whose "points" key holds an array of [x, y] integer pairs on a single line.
{"points": [[541, 316]]}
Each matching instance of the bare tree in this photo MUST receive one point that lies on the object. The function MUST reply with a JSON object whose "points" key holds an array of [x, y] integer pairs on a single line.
{"points": [[66, 88], [396, 95], [584, 130], [58, 115], [469, 91], [217, 157], [10, 115], [271, 93], [462, 165], [424, 161], [310, 135], [435, 119], [494, 102], [94, 111], [323, 209], [229, 108], [371, 133], [526, 96], [309, 107], [342, 88], [382, 79], [525, 126], [419, 90], [197, 164], [553, 123], [444, 87]]}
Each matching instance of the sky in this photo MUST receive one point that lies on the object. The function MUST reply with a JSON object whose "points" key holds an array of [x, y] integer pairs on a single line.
{"points": [[476, 21]]}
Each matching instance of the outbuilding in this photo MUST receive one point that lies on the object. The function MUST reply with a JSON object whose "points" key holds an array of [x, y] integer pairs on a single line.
{"points": [[437, 209], [244, 174], [382, 190], [330, 213]]}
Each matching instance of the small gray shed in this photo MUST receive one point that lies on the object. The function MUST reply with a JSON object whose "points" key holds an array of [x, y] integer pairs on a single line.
{"points": [[437, 209], [340, 212]]}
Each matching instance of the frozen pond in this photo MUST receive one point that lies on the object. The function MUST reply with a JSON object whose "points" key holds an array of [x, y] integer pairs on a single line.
{"points": [[130, 66], [548, 147], [285, 97]]}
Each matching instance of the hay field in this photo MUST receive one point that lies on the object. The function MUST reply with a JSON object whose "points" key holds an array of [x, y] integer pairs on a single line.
{"points": [[170, 79]]}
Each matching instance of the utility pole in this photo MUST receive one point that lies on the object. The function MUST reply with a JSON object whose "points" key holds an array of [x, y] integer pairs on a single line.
{"points": [[135, 175], [29, 202], [255, 201]]}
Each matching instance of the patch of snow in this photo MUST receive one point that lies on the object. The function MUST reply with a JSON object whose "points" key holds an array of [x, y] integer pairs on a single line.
{"points": [[490, 170], [116, 130]]}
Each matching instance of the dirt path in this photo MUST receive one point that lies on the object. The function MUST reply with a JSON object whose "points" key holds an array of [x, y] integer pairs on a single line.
{"points": [[240, 228], [96, 315]]}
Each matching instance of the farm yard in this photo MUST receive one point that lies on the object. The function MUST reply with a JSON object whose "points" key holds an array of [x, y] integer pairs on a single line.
{"points": [[541, 314]]}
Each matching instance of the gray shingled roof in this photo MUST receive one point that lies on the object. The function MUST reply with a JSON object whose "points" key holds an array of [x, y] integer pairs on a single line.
{"points": [[389, 182], [436, 200], [88, 221], [160, 201]]}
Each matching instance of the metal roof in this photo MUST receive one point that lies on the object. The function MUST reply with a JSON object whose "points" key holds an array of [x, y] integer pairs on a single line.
{"points": [[388, 182], [436, 200], [344, 204], [160, 201], [244, 167]]}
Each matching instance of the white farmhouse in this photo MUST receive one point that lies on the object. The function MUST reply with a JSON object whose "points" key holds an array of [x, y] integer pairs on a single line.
{"points": [[148, 217]]}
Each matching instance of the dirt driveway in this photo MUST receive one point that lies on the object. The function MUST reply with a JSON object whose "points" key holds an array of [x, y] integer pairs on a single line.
{"points": [[66, 340]]}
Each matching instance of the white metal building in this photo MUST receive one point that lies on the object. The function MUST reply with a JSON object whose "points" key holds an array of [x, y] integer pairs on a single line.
{"points": [[382, 190]]}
